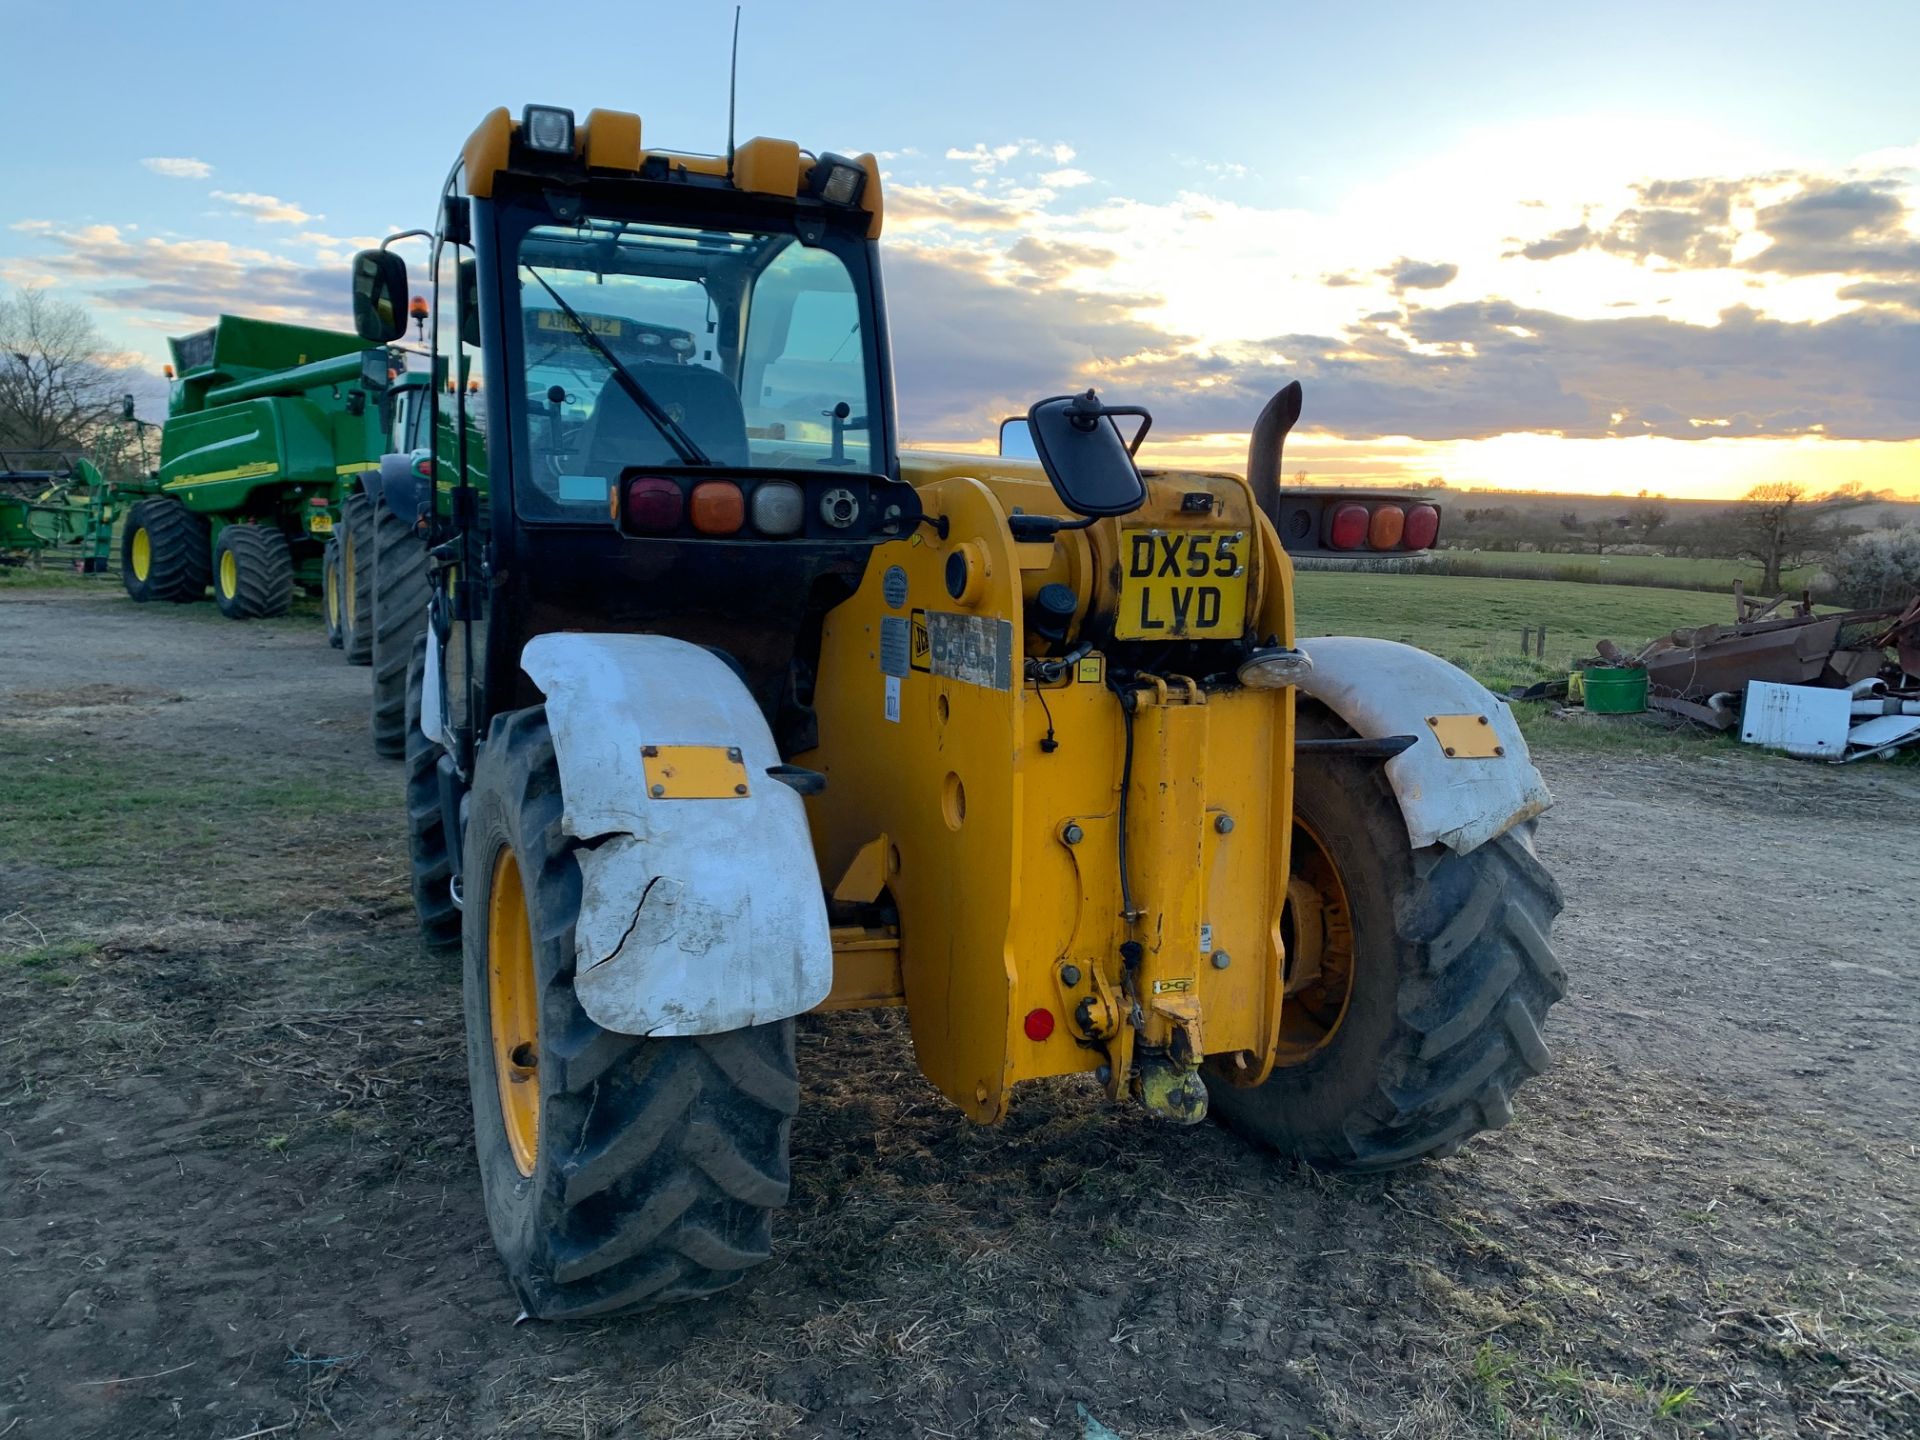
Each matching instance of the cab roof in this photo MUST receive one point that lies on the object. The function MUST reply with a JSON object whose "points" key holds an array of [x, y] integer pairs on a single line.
{"points": [[608, 143]]}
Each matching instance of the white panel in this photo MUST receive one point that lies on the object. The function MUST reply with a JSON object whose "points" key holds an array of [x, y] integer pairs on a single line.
{"points": [[1381, 688], [696, 916], [1805, 720]]}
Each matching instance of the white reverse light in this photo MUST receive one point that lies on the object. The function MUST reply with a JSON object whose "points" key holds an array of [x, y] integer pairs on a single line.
{"points": [[547, 128], [777, 507]]}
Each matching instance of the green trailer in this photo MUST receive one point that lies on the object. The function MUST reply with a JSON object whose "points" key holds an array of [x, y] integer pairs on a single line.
{"points": [[269, 429]]}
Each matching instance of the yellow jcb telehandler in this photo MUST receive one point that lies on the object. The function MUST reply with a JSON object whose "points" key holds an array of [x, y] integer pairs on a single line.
{"points": [[728, 711]]}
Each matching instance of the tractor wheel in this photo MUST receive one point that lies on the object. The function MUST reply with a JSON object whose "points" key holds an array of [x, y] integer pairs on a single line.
{"points": [[399, 614], [431, 863], [252, 572], [330, 593], [1417, 980], [163, 551], [356, 578], [619, 1171]]}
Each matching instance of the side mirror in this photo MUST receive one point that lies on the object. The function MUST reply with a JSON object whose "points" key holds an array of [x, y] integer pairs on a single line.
{"points": [[126, 407], [467, 303], [379, 296], [1091, 467], [1016, 440]]}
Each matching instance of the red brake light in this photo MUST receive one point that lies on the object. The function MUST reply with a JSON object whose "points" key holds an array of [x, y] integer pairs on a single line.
{"points": [[1384, 530], [1038, 1024], [1348, 528], [718, 507], [1423, 527], [653, 506]]}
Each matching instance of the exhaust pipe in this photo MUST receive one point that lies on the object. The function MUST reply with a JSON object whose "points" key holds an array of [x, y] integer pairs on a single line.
{"points": [[1264, 447]]}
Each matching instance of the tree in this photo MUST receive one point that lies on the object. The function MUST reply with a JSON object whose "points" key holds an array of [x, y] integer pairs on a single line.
{"points": [[56, 392], [1647, 517], [1778, 527], [1878, 567]]}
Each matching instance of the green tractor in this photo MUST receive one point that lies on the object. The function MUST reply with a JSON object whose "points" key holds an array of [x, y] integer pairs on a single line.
{"points": [[269, 429]]}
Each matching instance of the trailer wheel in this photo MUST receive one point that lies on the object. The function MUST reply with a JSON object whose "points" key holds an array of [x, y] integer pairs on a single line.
{"points": [[252, 572], [356, 577], [619, 1171], [1418, 980], [163, 551], [399, 614], [431, 862], [330, 593]]}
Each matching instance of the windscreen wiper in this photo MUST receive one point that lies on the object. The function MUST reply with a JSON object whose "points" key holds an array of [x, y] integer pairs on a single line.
{"points": [[677, 437]]}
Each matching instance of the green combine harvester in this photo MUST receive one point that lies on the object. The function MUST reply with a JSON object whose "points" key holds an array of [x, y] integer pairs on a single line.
{"points": [[269, 429]]}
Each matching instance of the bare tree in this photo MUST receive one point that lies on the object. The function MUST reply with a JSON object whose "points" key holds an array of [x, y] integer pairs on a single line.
{"points": [[1779, 527], [1647, 517], [55, 392]]}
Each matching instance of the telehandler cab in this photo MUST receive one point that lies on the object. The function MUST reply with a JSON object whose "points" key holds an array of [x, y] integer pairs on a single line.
{"points": [[728, 711]]}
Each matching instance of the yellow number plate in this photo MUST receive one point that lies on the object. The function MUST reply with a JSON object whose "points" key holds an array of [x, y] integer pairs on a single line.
{"points": [[1182, 584], [320, 524], [557, 320]]}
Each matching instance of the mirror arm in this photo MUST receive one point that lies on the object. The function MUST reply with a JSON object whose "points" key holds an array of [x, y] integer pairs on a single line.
{"points": [[1044, 527]]}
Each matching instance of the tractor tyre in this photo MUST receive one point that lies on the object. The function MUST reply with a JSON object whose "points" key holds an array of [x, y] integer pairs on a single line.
{"points": [[330, 604], [163, 551], [252, 572], [619, 1171], [356, 576], [1426, 978], [399, 614], [430, 861]]}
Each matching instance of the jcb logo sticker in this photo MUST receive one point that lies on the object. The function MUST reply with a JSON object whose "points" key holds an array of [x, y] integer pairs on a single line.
{"points": [[920, 653]]}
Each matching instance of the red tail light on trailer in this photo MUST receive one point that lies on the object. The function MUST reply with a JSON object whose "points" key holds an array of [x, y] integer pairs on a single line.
{"points": [[1347, 527], [1423, 527]]}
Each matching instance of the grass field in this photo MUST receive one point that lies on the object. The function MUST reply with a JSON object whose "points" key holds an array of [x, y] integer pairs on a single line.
{"points": [[1670, 571], [1476, 623]]}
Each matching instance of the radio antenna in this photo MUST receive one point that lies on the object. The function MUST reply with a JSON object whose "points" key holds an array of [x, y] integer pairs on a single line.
{"points": [[733, 89]]}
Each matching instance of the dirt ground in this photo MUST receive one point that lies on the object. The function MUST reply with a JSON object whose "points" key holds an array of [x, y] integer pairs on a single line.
{"points": [[238, 1196]]}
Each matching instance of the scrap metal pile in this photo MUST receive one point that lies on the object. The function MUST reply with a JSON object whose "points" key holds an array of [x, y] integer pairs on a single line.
{"points": [[1840, 686]]}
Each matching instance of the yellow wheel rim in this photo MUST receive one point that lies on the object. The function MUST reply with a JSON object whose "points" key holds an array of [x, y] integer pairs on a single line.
{"points": [[1317, 927], [346, 579], [142, 553], [229, 574], [332, 597], [513, 1008]]}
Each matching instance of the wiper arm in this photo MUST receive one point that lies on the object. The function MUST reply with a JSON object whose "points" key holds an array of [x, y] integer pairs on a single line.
{"points": [[683, 444]]}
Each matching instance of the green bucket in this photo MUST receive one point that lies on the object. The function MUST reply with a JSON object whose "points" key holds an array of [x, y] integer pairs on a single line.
{"points": [[1616, 691]]}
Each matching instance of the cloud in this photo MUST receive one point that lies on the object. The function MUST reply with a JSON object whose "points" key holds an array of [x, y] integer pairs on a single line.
{"points": [[178, 167], [1852, 228], [1405, 274], [1490, 367], [986, 159], [929, 205], [176, 285], [1047, 261], [970, 349], [1900, 295], [1065, 179], [265, 209], [1561, 242]]}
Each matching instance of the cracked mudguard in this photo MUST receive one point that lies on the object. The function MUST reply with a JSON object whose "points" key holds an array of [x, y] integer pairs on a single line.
{"points": [[697, 916]]}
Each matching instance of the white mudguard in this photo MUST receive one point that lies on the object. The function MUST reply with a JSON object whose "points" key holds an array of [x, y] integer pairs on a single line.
{"points": [[1382, 688], [696, 915]]}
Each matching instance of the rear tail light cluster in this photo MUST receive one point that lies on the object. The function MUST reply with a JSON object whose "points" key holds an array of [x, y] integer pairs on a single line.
{"points": [[1353, 525], [656, 505]]}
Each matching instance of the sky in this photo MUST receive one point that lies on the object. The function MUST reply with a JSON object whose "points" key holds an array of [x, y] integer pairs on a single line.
{"points": [[1658, 247]]}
